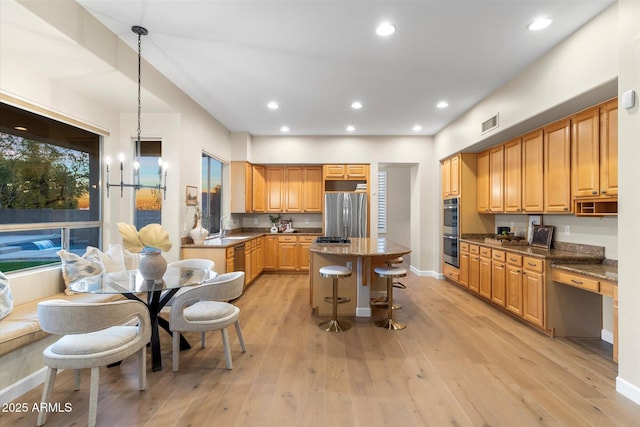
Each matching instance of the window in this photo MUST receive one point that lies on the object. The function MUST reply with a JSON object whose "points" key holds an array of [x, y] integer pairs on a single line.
{"points": [[382, 202], [148, 206], [211, 193], [49, 189]]}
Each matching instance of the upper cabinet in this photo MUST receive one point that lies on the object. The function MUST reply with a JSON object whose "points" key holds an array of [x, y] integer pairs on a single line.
{"points": [[346, 172], [312, 189], [609, 148], [483, 182], [496, 179], [532, 172], [451, 177], [259, 180], [513, 176], [241, 187], [557, 167]]}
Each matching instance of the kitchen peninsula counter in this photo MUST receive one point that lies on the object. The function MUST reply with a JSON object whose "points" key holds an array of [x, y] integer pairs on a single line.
{"points": [[363, 255]]}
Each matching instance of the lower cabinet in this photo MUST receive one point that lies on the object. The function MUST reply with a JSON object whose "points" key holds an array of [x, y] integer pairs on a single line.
{"points": [[533, 290], [293, 252], [509, 280], [270, 253]]}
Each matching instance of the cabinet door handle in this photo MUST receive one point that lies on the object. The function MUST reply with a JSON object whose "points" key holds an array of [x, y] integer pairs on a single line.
{"points": [[594, 192], [518, 271], [512, 259], [531, 264], [524, 272], [566, 209], [577, 282], [604, 192]]}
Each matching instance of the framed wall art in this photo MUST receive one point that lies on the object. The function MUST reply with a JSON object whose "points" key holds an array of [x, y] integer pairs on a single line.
{"points": [[192, 195]]}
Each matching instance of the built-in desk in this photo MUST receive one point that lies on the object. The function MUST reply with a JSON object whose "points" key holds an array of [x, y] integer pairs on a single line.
{"points": [[597, 280]]}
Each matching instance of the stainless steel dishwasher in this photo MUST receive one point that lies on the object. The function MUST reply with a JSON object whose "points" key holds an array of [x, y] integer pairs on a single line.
{"points": [[238, 257]]}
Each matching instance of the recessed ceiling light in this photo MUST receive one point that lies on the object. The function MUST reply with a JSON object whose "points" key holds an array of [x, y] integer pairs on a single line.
{"points": [[284, 129], [417, 128], [356, 105], [539, 24], [273, 105], [442, 104], [385, 29], [351, 128]]}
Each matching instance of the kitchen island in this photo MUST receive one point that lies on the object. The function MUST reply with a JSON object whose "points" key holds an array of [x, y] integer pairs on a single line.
{"points": [[362, 255]]}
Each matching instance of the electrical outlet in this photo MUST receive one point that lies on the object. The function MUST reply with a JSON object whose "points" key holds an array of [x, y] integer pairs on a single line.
{"points": [[567, 230], [349, 265], [306, 221], [255, 221]]}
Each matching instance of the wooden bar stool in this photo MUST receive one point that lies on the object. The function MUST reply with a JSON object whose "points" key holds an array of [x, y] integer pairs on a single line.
{"points": [[390, 273], [335, 272]]}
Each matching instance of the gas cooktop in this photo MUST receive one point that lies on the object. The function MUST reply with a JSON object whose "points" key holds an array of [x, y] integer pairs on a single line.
{"points": [[330, 239]]}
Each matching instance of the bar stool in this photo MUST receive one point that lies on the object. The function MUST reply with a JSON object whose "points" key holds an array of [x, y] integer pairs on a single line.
{"points": [[390, 273], [382, 301], [335, 272]]}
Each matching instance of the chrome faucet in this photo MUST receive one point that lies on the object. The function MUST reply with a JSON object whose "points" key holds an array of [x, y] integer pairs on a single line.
{"points": [[222, 218]]}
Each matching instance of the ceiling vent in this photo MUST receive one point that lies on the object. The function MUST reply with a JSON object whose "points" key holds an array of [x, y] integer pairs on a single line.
{"points": [[490, 124]]}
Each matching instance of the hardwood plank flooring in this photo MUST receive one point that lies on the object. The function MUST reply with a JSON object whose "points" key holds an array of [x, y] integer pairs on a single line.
{"points": [[459, 362]]}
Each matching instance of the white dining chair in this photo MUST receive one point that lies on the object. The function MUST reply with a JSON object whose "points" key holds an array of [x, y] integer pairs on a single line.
{"points": [[204, 308], [94, 335]]}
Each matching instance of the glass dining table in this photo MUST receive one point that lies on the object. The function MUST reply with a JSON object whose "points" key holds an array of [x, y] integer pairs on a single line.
{"points": [[157, 294]]}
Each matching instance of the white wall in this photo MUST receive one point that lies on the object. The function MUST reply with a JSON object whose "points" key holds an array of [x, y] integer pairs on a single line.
{"points": [[628, 381], [398, 205]]}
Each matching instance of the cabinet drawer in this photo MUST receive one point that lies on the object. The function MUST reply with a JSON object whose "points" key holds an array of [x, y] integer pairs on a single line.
{"points": [[306, 239], [474, 249], [287, 239], [515, 260], [464, 247], [485, 252], [533, 264], [499, 255], [577, 280], [452, 273]]}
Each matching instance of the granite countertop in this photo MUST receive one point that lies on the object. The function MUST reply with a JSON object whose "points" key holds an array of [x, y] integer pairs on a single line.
{"points": [[241, 237], [549, 254], [361, 247], [604, 271]]}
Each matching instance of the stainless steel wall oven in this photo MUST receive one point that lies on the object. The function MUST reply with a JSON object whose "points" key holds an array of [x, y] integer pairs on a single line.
{"points": [[450, 231]]}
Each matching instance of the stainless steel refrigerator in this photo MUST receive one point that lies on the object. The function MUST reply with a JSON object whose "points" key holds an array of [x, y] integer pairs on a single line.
{"points": [[345, 215]]}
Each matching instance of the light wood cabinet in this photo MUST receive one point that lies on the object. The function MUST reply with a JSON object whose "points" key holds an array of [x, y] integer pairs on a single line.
{"points": [[609, 148], [513, 176], [483, 182], [474, 268], [287, 253], [241, 187], [585, 153], [513, 301], [615, 324], [304, 258], [464, 264], [533, 291], [498, 278], [557, 167], [451, 177], [230, 260], [293, 189], [275, 181], [346, 172], [270, 253], [532, 172], [312, 191], [258, 179], [496, 179], [485, 273]]}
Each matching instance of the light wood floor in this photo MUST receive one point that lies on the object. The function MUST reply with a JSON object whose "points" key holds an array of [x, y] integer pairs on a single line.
{"points": [[459, 362]]}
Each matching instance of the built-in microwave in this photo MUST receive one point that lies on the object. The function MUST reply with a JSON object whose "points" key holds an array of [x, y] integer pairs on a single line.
{"points": [[450, 252]]}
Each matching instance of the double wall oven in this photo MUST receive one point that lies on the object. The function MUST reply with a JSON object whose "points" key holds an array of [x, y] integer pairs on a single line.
{"points": [[450, 231]]}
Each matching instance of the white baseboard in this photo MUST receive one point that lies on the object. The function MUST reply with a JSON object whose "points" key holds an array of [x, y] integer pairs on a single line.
{"points": [[363, 312], [27, 383], [426, 273], [606, 336], [628, 390]]}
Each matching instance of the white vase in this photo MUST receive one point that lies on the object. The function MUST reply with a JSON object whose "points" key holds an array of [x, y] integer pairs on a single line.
{"points": [[198, 234], [274, 229], [152, 265]]}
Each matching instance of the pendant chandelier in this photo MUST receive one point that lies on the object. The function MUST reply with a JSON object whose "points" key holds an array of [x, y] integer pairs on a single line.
{"points": [[162, 166]]}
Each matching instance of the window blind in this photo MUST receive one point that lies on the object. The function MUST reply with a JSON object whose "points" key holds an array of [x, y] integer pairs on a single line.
{"points": [[382, 202]]}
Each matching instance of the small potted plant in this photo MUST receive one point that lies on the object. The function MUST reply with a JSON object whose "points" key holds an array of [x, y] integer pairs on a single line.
{"points": [[275, 219]]}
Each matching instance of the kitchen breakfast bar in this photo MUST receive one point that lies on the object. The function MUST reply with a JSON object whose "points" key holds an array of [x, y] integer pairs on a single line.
{"points": [[362, 255]]}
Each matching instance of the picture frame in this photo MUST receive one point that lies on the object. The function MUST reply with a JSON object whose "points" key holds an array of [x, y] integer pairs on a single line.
{"points": [[192, 195], [533, 220], [542, 235]]}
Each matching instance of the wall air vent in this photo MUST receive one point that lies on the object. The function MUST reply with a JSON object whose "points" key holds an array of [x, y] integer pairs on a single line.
{"points": [[490, 124]]}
